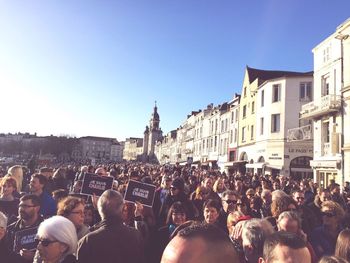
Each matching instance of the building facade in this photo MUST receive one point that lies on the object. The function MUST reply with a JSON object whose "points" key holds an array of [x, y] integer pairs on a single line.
{"points": [[278, 103], [329, 110]]}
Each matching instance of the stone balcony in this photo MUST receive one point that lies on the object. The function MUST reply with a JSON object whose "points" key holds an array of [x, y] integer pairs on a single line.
{"points": [[327, 104]]}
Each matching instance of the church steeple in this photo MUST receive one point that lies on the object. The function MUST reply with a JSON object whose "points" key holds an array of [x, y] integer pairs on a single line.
{"points": [[154, 122]]}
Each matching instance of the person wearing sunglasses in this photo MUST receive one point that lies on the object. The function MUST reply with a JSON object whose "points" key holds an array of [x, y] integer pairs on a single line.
{"points": [[323, 238], [307, 216], [176, 194], [57, 240], [228, 203]]}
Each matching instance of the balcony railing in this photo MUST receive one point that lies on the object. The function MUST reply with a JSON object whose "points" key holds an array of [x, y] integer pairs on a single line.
{"points": [[326, 150], [327, 104]]}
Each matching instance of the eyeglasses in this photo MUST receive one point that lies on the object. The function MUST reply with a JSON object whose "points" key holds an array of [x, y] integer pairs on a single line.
{"points": [[230, 202], [26, 206], [78, 212], [327, 214], [178, 214], [44, 242]]}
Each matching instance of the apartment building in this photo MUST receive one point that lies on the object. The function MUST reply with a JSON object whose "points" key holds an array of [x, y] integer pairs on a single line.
{"points": [[278, 103], [329, 110]]}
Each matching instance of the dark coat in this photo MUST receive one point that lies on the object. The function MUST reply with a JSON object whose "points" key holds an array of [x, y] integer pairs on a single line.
{"points": [[169, 200], [112, 242], [8, 255]]}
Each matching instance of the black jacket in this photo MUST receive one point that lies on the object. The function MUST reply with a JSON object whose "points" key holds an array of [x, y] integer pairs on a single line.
{"points": [[112, 242]]}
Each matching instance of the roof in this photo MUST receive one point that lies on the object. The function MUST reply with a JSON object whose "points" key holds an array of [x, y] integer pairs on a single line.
{"points": [[95, 138], [264, 75]]}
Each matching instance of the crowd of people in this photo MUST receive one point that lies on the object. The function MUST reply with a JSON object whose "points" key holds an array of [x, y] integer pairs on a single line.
{"points": [[198, 215]]}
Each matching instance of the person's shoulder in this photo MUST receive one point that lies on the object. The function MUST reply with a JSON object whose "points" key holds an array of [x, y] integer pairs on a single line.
{"points": [[13, 225], [69, 259]]}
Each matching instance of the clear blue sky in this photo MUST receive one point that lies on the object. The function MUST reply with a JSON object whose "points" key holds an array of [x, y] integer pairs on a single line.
{"points": [[83, 67]]}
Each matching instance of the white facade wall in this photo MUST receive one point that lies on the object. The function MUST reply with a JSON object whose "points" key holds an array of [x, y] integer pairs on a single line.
{"points": [[271, 147]]}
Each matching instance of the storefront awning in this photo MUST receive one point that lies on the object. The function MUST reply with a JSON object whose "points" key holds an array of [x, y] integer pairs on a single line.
{"points": [[255, 165], [325, 164], [272, 166], [235, 163]]}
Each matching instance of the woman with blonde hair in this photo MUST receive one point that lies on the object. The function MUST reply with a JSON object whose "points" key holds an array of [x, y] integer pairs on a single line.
{"points": [[219, 186], [8, 202], [16, 171], [342, 247]]}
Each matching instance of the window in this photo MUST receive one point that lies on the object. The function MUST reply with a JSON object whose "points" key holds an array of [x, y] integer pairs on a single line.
{"points": [[232, 156], [236, 115], [215, 143], [325, 85], [326, 54], [305, 91], [222, 126], [235, 135], [243, 134], [325, 132], [262, 98], [276, 93], [226, 124], [231, 136], [245, 92], [253, 107], [252, 132], [232, 116], [244, 111], [261, 126], [216, 125], [275, 122]]}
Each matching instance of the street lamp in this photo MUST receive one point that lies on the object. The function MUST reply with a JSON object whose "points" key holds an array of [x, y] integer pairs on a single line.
{"points": [[342, 37]]}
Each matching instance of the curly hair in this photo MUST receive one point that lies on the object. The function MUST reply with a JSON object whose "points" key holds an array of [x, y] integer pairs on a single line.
{"points": [[66, 205], [335, 208], [280, 205]]}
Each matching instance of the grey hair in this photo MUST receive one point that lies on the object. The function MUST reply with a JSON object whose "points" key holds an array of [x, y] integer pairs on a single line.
{"points": [[60, 229], [278, 194], [292, 215], [110, 204], [3, 220], [255, 232]]}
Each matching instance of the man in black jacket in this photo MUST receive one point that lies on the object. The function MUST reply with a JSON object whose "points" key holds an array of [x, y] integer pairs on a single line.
{"points": [[29, 217], [112, 241]]}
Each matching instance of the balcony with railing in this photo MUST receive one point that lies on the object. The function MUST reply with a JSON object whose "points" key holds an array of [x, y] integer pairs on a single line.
{"points": [[327, 104]]}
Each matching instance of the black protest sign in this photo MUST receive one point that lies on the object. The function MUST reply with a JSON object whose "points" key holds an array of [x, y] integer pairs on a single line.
{"points": [[25, 239], [94, 184], [140, 192]]}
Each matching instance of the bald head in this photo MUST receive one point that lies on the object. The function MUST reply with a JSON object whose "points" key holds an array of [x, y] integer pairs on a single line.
{"points": [[200, 243]]}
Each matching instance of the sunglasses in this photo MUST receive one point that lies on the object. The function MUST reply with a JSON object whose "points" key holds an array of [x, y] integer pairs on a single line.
{"points": [[44, 242], [231, 202], [327, 214]]}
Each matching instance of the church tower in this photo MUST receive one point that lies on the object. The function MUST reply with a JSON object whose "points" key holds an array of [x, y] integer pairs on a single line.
{"points": [[155, 133]]}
